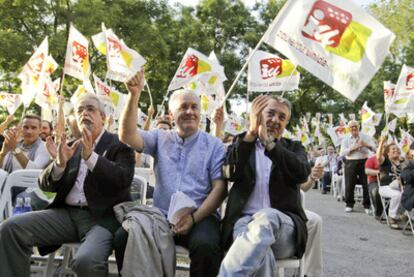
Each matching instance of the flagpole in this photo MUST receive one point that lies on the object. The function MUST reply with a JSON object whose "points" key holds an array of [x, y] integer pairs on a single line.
{"points": [[149, 92], [290, 78], [244, 67]]}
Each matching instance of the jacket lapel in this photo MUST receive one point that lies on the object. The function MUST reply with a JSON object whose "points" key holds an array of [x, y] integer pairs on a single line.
{"points": [[103, 144]]}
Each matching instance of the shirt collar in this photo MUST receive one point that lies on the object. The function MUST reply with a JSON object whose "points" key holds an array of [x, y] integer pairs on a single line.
{"points": [[187, 140]]}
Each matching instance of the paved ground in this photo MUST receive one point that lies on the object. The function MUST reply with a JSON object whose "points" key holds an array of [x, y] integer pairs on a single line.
{"points": [[355, 244]]}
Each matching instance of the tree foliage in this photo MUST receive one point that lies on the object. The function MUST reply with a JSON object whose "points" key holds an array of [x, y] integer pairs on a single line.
{"points": [[162, 33]]}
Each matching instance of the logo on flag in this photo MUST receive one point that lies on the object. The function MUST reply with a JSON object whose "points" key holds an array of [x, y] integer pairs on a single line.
{"points": [[337, 41], [334, 29], [410, 81], [270, 68], [77, 55], [268, 72]]}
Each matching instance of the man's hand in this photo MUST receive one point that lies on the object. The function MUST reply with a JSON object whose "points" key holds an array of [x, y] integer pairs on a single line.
{"points": [[218, 117], [259, 103], [51, 147], [151, 111], [316, 172], [87, 144], [64, 152], [11, 138], [137, 83], [185, 222]]}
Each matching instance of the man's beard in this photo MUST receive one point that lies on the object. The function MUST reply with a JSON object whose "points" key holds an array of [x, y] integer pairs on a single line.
{"points": [[86, 124]]}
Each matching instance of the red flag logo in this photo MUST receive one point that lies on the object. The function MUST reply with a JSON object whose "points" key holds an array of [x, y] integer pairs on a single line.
{"points": [[189, 67], [270, 67], [326, 23]]}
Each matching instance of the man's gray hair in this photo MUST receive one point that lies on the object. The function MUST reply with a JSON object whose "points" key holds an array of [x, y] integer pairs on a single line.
{"points": [[90, 96], [181, 92], [354, 122], [283, 101]]}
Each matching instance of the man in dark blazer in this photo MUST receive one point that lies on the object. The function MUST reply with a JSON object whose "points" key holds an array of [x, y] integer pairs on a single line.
{"points": [[89, 177], [264, 218]]}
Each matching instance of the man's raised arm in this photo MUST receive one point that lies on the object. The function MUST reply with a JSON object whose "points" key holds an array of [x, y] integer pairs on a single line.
{"points": [[128, 122]]}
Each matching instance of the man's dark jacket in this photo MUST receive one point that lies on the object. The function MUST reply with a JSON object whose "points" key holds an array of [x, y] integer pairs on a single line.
{"points": [[108, 184], [289, 169], [407, 197]]}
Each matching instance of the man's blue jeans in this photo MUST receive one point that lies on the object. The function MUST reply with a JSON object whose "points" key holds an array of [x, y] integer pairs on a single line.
{"points": [[258, 241]]}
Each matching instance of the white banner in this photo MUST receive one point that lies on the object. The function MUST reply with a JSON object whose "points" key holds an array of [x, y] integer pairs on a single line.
{"points": [[389, 90], [335, 40], [122, 62], [268, 72], [403, 100], [77, 55], [10, 101], [33, 73]]}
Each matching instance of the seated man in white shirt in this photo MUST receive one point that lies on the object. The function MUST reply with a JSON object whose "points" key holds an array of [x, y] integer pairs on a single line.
{"points": [[30, 152], [26, 153]]}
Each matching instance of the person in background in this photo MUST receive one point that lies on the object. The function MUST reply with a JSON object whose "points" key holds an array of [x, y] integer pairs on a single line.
{"points": [[46, 129], [356, 147], [372, 167]]}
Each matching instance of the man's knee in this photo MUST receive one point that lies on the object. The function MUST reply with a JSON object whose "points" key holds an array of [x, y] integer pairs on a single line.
{"points": [[268, 216]]}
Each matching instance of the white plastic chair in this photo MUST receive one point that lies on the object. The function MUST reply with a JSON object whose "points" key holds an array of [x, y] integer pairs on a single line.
{"points": [[19, 178], [3, 177], [147, 173]]}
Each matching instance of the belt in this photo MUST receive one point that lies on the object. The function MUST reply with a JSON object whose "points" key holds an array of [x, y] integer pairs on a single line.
{"points": [[84, 207]]}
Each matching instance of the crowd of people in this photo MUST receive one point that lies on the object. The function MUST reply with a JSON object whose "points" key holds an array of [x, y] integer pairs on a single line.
{"points": [[261, 177], [379, 169]]}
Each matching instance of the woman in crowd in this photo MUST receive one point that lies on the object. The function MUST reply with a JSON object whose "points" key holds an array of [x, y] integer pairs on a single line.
{"points": [[390, 184]]}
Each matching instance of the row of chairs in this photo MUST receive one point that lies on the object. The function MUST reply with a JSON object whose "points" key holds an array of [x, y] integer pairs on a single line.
{"points": [[46, 265]]}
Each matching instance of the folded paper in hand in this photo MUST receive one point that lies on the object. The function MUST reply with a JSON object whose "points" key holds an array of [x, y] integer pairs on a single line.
{"points": [[179, 204]]}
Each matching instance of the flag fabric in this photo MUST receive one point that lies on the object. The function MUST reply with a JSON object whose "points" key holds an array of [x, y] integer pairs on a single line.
{"points": [[51, 65], [10, 101], [335, 40], [368, 129], [122, 62], [101, 88], [77, 55], [403, 100], [405, 142], [366, 114], [269, 72], [234, 125], [33, 73], [390, 127], [410, 118], [376, 120], [389, 90], [48, 97], [193, 66]]}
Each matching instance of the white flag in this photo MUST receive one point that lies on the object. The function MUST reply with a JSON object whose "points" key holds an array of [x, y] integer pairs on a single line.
{"points": [[193, 65], [122, 62], [10, 101], [403, 100], [335, 40], [268, 72], [101, 88], [77, 56], [389, 90], [48, 97], [366, 114], [33, 73]]}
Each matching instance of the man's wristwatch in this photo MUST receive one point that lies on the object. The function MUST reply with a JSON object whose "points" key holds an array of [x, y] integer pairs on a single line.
{"points": [[16, 151]]}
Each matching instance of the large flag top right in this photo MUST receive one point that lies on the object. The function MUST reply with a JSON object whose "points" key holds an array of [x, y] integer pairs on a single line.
{"points": [[335, 40]]}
